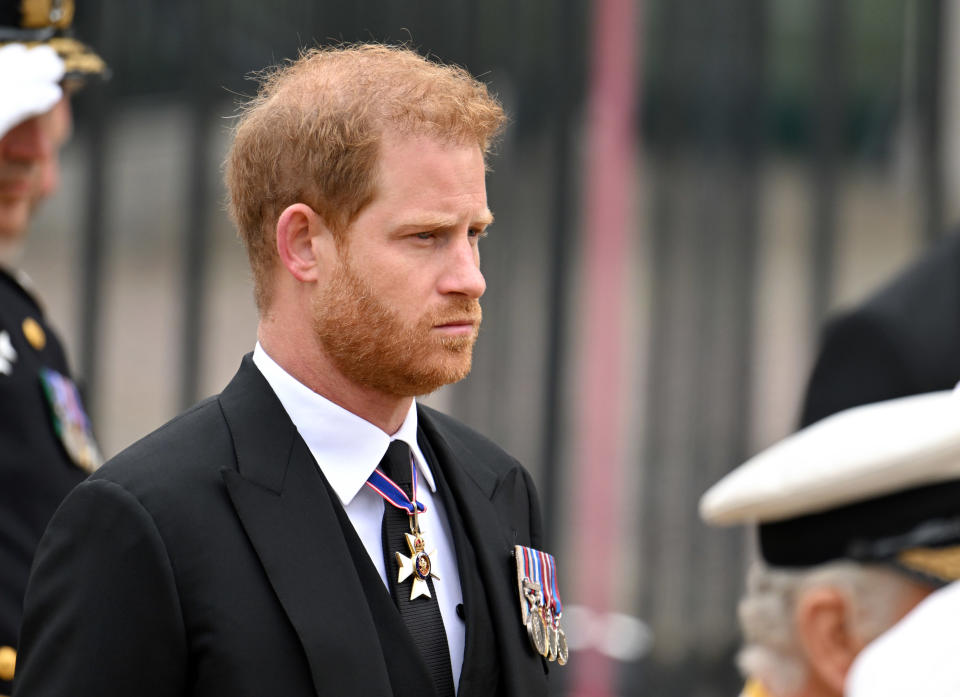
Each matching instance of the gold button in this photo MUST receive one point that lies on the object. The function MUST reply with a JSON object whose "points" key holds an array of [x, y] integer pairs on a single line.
{"points": [[8, 661], [34, 333]]}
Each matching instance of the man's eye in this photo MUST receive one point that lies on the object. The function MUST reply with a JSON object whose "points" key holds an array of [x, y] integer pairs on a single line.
{"points": [[477, 233], [424, 235]]}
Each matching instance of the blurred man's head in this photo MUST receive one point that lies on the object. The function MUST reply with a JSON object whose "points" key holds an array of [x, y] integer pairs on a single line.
{"points": [[858, 520], [37, 60], [30, 167], [803, 628]]}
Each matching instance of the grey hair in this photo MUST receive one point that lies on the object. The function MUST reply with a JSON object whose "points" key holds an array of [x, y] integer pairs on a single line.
{"points": [[772, 652]]}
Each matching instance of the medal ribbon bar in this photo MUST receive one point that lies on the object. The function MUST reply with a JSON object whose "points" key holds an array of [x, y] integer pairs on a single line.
{"points": [[540, 602]]}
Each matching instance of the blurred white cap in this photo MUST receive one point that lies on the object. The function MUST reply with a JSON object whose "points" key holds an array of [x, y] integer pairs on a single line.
{"points": [[858, 454], [29, 83], [875, 484]]}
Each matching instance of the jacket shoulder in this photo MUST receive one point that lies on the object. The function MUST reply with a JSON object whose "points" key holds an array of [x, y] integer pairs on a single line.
{"points": [[464, 438], [192, 445]]}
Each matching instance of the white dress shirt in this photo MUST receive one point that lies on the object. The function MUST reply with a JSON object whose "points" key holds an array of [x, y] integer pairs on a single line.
{"points": [[347, 449]]}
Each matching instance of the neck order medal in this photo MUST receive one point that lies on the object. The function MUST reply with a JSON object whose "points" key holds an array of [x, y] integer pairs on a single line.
{"points": [[419, 564]]}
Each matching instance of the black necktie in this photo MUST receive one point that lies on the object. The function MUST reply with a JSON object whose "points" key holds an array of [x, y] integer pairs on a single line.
{"points": [[422, 614]]}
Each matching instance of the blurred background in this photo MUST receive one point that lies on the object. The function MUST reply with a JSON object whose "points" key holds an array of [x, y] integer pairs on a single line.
{"points": [[687, 190]]}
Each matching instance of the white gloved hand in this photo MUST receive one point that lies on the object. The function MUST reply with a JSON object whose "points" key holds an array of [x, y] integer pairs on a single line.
{"points": [[29, 83], [917, 656]]}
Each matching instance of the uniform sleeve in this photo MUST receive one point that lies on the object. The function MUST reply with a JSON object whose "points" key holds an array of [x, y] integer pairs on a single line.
{"points": [[101, 613], [858, 364]]}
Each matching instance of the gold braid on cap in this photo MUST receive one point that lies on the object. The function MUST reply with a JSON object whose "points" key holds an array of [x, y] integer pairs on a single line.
{"points": [[77, 58], [940, 562], [37, 14]]}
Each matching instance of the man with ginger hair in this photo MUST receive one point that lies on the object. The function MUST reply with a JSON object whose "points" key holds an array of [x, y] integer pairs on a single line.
{"points": [[312, 530]]}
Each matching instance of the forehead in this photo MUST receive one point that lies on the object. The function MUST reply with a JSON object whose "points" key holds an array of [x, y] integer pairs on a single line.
{"points": [[432, 173]]}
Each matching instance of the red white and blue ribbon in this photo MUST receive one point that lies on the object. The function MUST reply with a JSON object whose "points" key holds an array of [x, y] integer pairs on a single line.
{"points": [[541, 568], [393, 494]]}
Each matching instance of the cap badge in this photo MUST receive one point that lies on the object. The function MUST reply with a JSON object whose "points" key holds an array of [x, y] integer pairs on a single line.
{"points": [[37, 14]]}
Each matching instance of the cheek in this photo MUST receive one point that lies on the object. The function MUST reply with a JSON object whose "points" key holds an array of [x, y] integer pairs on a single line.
{"points": [[407, 289], [48, 177]]}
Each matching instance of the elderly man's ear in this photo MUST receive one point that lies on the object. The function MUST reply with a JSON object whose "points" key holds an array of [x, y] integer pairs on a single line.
{"points": [[828, 641], [304, 243]]}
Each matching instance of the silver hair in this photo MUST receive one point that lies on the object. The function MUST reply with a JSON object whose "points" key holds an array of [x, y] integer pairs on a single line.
{"points": [[771, 651]]}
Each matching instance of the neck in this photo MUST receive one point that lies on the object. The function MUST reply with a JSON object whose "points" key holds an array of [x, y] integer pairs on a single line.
{"points": [[810, 688], [816, 688], [299, 353]]}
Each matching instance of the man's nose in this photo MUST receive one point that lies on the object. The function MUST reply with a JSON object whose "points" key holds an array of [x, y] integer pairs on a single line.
{"points": [[463, 272], [28, 142]]}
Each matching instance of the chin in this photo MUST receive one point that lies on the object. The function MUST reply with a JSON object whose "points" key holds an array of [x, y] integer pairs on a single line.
{"points": [[14, 219], [11, 249], [444, 371]]}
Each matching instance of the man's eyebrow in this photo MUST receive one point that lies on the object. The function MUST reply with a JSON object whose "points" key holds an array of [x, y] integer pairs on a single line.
{"points": [[437, 222]]}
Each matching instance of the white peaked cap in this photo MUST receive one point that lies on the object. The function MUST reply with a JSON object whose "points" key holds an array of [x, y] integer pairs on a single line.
{"points": [[29, 83], [917, 656], [858, 454]]}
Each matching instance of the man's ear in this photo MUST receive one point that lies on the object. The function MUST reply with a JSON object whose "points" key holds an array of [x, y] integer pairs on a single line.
{"points": [[303, 241], [826, 636]]}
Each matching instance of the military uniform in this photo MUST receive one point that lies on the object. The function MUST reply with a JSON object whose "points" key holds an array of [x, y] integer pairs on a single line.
{"points": [[36, 467], [46, 447]]}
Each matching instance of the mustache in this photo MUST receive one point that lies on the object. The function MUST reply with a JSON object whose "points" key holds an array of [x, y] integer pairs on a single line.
{"points": [[17, 170], [457, 311]]}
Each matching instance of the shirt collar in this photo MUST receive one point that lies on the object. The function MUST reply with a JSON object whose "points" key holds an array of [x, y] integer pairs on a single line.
{"points": [[346, 447]]}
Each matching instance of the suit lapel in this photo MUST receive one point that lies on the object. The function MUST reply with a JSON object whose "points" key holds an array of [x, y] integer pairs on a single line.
{"points": [[280, 498], [474, 487], [481, 669]]}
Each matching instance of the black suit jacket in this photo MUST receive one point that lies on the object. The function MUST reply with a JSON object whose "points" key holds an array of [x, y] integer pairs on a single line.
{"points": [[208, 559], [903, 340]]}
